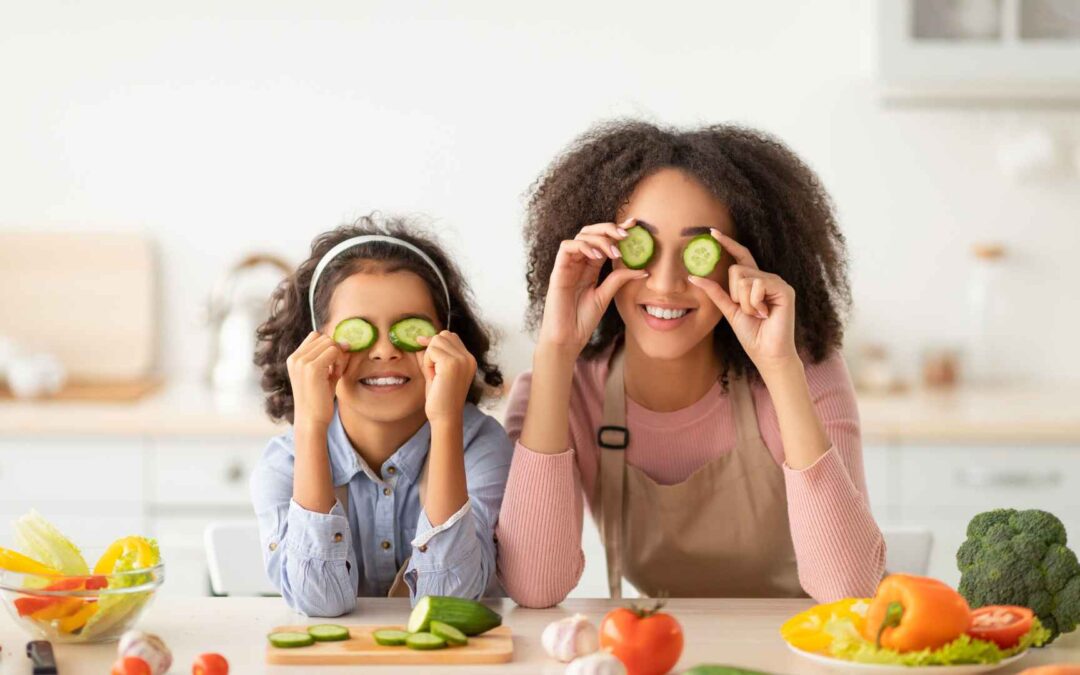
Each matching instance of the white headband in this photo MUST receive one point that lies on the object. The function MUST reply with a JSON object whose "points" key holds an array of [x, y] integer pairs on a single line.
{"points": [[365, 239]]}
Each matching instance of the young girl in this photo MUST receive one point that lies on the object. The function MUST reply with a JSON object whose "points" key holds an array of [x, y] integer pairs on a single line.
{"points": [[706, 417], [390, 480]]}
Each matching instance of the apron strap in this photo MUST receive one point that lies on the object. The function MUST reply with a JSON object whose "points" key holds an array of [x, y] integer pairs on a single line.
{"points": [[746, 423], [612, 439]]}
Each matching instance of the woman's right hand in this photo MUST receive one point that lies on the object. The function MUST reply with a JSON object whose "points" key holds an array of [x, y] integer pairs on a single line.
{"points": [[575, 303], [314, 370]]}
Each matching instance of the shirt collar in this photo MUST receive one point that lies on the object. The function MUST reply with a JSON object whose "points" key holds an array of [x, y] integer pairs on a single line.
{"points": [[346, 462]]}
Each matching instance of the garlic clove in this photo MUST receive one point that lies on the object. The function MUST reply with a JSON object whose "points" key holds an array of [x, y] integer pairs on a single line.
{"points": [[597, 663], [569, 638]]}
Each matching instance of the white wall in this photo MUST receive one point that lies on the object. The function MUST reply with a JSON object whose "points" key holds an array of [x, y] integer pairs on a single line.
{"points": [[223, 127]]}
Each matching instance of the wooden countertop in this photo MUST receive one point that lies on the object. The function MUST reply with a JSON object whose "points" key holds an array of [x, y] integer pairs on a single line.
{"points": [[732, 632], [1024, 414]]}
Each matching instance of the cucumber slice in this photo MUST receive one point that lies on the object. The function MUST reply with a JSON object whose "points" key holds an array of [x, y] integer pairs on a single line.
{"points": [[701, 255], [424, 641], [389, 637], [403, 334], [637, 249], [291, 640], [357, 333], [447, 632], [328, 632], [468, 616]]}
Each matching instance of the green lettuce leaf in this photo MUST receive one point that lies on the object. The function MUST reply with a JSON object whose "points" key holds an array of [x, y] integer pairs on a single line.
{"points": [[115, 610], [850, 645], [42, 541]]}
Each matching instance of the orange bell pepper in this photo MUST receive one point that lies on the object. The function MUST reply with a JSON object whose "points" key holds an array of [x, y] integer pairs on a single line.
{"points": [[911, 613]]}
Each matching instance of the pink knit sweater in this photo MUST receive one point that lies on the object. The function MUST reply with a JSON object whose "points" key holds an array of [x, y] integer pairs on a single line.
{"points": [[838, 545]]}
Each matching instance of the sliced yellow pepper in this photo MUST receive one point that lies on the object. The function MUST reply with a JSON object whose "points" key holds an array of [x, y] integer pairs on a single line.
{"points": [[77, 620], [13, 561], [144, 555], [806, 630], [58, 610]]}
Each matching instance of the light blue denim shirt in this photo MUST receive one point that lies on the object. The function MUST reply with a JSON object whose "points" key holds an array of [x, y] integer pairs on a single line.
{"points": [[321, 562]]}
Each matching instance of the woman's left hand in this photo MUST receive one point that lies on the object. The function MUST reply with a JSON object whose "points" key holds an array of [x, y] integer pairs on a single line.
{"points": [[759, 306], [449, 370]]}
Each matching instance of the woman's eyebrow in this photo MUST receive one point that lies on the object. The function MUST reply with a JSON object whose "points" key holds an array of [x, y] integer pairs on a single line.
{"points": [[685, 232]]}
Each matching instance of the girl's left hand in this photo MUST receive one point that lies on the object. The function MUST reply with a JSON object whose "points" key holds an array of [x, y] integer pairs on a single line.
{"points": [[759, 306], [449, 370]]}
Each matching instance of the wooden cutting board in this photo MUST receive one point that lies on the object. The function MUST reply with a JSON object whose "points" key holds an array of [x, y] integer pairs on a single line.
{"points": [[494, 646]]}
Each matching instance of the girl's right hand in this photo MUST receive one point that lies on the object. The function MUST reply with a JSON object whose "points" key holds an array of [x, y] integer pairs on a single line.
{"points": [[575, 304], [314, 370]]}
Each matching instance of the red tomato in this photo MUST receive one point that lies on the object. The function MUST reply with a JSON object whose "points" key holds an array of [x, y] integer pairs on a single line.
{"points": [[648, 642], [131, 665], [1001, 624], [210, 664]]}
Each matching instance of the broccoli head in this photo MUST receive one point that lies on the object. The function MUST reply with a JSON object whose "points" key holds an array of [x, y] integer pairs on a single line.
{"points": [[1015, 557]]}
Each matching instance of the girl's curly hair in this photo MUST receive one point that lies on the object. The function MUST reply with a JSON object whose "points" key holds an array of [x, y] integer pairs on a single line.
{"points": [[290, 316], [780, 210]]}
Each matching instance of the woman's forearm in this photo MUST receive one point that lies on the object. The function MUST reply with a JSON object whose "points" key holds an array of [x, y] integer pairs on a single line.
{"points": [[447, 490], [546, 428], [801, 429], [313, 487]]}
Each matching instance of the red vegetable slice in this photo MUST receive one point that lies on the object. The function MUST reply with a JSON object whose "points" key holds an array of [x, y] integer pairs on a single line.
{"points": [[1003, 625]]}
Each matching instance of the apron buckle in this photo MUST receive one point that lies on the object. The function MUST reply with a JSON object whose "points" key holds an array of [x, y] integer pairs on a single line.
{"points": [[604, 437]]}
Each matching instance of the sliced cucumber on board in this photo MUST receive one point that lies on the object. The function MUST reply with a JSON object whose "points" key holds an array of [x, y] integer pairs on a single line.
{"points": [[468, 616]]}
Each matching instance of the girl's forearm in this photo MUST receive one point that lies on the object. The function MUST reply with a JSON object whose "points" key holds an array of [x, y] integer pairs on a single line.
{"points": [[547, 419], [801, 429], [447, 489], [313, 487]]}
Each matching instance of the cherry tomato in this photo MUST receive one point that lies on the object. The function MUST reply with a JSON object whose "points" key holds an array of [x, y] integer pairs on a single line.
{"points": [[647, 641], [131, 665], [210, 664], [1001, 624]]}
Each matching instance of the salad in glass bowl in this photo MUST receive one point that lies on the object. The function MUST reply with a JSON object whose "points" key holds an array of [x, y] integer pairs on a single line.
{"points": [[49, 589]]}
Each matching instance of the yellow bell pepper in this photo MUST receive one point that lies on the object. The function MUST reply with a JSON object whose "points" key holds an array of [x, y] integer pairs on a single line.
{"points": [[144, 554], [76, 621], [806, 630], [13, 561], [58, 610]]}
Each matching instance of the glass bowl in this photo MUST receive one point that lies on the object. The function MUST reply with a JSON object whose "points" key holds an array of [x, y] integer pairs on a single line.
{"points": [[93, 608]]}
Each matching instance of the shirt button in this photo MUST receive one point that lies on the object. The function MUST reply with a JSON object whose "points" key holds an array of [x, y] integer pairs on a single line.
{"points": [[422, 548], [386, 491], [391, 470], [385, 545], [273, 546], [338, 537]]}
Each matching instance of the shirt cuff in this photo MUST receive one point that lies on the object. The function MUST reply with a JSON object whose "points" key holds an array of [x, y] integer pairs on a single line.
{"points": [[425, 531], [311, 534]]}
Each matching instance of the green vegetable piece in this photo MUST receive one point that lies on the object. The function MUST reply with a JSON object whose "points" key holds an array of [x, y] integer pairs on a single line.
{"points": [[710, 669], [43, 541], [403, 334], [290, 640], [424, 641], [1015, 557], [328, 632], [701, 255], [356, 333], [390, 638], [637, 248], [468, 616], [447, 632]]}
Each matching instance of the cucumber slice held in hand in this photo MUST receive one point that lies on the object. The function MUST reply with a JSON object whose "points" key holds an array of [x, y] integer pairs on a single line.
{"points": [[447, 632], [403, 334], [468, 616], [424, 641], [390, 638], [701, 255], [356, 333], [328, 632], [291, 640], [637, 249]]}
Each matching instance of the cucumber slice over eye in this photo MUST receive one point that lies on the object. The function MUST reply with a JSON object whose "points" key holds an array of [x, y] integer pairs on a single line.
{"points": [[291, 640], [637, 249], [403, 334], [424, 641], [701, 255], [390, 638], [447, 632], [328, 632], [357, 333]]}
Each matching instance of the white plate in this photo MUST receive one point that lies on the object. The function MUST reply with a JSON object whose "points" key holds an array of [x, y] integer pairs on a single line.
{"points": [[885, 669]]}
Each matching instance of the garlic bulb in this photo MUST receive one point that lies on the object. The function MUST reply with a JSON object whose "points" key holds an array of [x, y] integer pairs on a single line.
{"points": [[569, 638], [597, 663]]}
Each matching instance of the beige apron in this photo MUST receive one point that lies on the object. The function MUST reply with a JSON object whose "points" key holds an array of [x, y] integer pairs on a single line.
{"points": [[723, 532]]}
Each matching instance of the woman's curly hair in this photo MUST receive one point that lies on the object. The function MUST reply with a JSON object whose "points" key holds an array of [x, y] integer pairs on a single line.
{"points": [[290, 316], [780, 210]]}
